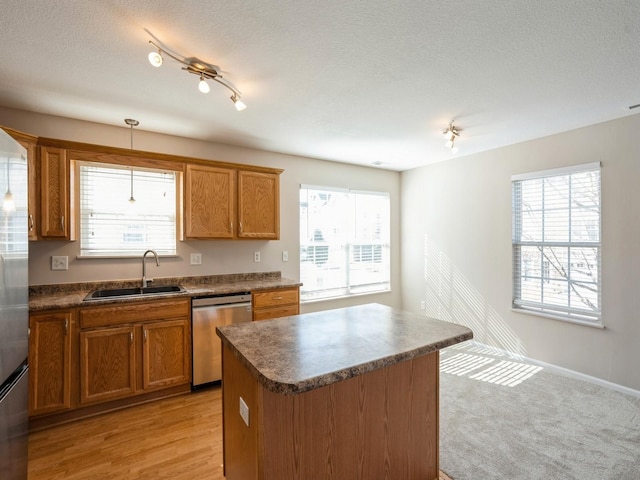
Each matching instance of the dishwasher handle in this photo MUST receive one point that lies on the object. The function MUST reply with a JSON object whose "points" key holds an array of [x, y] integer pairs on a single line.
{"points": [[244, 298]]}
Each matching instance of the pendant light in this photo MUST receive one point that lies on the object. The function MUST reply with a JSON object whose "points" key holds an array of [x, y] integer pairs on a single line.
{"points": [[8, 205], [132, 123]]}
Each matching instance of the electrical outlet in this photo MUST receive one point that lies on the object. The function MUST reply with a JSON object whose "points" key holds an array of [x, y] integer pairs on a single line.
{"points": [[256, 257], [196, 259], [59, 262], [244, 411], [285, 256]]}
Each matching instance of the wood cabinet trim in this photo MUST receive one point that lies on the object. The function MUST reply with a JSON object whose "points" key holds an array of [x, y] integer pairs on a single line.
{"points": [[91, 149]]}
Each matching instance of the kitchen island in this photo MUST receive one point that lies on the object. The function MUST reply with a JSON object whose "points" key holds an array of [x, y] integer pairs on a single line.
{"points": [[350, 393]]}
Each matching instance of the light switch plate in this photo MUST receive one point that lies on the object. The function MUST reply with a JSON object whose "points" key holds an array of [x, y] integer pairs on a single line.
{"points": [[59, 262], [285, 256], [196, 259], [244, 411]]}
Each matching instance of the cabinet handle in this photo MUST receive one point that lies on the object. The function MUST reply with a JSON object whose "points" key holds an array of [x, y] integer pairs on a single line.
{"points": [[62, 223], [240, 227], [145, 335], [131, 337], [277, 298], [66, 326], [30, 222]]}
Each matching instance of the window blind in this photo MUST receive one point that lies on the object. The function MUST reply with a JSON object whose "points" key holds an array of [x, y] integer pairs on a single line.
{"points": [[556, 243], [111, 225], [344, 242]]}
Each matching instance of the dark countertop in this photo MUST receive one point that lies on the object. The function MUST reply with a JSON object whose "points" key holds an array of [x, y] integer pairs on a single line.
{"points": [[46, 297], [292, 355]]}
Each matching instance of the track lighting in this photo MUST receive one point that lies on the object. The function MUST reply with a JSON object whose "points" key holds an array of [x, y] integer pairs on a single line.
{"points": [[451, 134], [204, 70]]}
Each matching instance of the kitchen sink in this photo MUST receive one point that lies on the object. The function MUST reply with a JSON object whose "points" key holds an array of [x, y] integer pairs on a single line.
{"points": [[136, 291]]}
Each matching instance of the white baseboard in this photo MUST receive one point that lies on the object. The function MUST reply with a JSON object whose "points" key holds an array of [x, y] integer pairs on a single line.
{"points": [[564, 371]]}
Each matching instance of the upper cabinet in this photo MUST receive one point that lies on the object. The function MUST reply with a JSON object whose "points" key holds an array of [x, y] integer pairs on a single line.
{"points": [[230, 203], [209, 202], [258, 205], [220, 200], [29, 142], [56, 216]]}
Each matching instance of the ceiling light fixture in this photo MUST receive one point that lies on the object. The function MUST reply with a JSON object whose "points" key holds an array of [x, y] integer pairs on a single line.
{"points": [[451, 133], [204, 70]]}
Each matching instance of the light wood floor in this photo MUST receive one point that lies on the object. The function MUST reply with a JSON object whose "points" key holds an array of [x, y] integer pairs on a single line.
{"points": [[178, 438]]}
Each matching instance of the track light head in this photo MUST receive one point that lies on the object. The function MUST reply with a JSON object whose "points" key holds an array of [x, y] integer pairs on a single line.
{"points": [[155, 58], [238, 103]]}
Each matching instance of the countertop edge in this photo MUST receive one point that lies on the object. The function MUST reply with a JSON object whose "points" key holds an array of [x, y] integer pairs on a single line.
{"points": [[283, 387]]}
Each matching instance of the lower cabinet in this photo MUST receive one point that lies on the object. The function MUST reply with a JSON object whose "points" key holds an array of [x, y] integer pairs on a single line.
{"points": [[50, 347], [281, 302], [107, 364], [89, 359], [150, 352]]}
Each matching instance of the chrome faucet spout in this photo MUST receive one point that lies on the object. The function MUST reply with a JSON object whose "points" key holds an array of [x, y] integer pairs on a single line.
{"points": [[145, 280]]}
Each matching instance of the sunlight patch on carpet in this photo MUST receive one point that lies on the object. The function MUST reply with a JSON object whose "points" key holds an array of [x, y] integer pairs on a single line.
{"points": [[505, 373]]}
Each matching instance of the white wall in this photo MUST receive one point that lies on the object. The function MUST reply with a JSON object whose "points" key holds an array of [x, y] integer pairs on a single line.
{"points": [[218, 256], [456, 249]]}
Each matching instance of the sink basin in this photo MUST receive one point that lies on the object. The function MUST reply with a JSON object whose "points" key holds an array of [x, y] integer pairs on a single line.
{"points": [[136, 291]]}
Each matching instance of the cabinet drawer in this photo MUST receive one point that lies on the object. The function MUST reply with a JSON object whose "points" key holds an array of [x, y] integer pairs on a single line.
{"points": [[274, 298], [275, 312], [133, 312]]}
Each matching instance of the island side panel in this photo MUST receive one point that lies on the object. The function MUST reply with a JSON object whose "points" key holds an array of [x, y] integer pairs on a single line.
{"points": [[383, 424], [240, 442]]}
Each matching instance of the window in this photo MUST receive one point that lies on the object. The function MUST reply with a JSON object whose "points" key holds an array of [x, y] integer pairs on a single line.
{"points": [[111, 225], [556, 243], [344, 242]]}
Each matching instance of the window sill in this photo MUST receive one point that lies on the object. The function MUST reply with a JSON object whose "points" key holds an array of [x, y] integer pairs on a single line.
{"points": [[343, 297], [584, 323], [123, 257]]}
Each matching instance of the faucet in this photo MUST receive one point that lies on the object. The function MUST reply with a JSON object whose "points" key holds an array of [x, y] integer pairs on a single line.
{"points": [[146, 281]]}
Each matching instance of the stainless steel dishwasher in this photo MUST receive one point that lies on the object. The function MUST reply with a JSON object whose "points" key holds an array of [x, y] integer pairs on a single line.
{"points": [[207, 313]]}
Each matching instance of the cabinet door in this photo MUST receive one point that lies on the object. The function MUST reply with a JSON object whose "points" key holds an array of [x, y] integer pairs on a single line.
{"points": [[166, 354], [50, 362], [258, 205], [107, 364], [209, 202], [33, 192], [54, 193]]}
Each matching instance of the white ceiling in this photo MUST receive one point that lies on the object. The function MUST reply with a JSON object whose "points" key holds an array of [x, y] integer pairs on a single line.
{"points": [[349, 81]]}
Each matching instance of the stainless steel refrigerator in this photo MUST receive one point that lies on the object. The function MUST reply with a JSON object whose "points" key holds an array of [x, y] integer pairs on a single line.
{"points": [[14, 310]]}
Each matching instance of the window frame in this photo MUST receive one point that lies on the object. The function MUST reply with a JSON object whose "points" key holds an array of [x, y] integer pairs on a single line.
{"points": [[126, 163], [348, 250], [566, 313]]}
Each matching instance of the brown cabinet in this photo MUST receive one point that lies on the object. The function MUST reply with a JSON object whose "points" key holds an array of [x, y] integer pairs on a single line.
{"points": [[34, 191], [166, 354], [29, 142], [209, 202], [50, 346], [107, 364], [56, 216], [130, 349], [276, 303], [228, 203], [258, 205]]}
